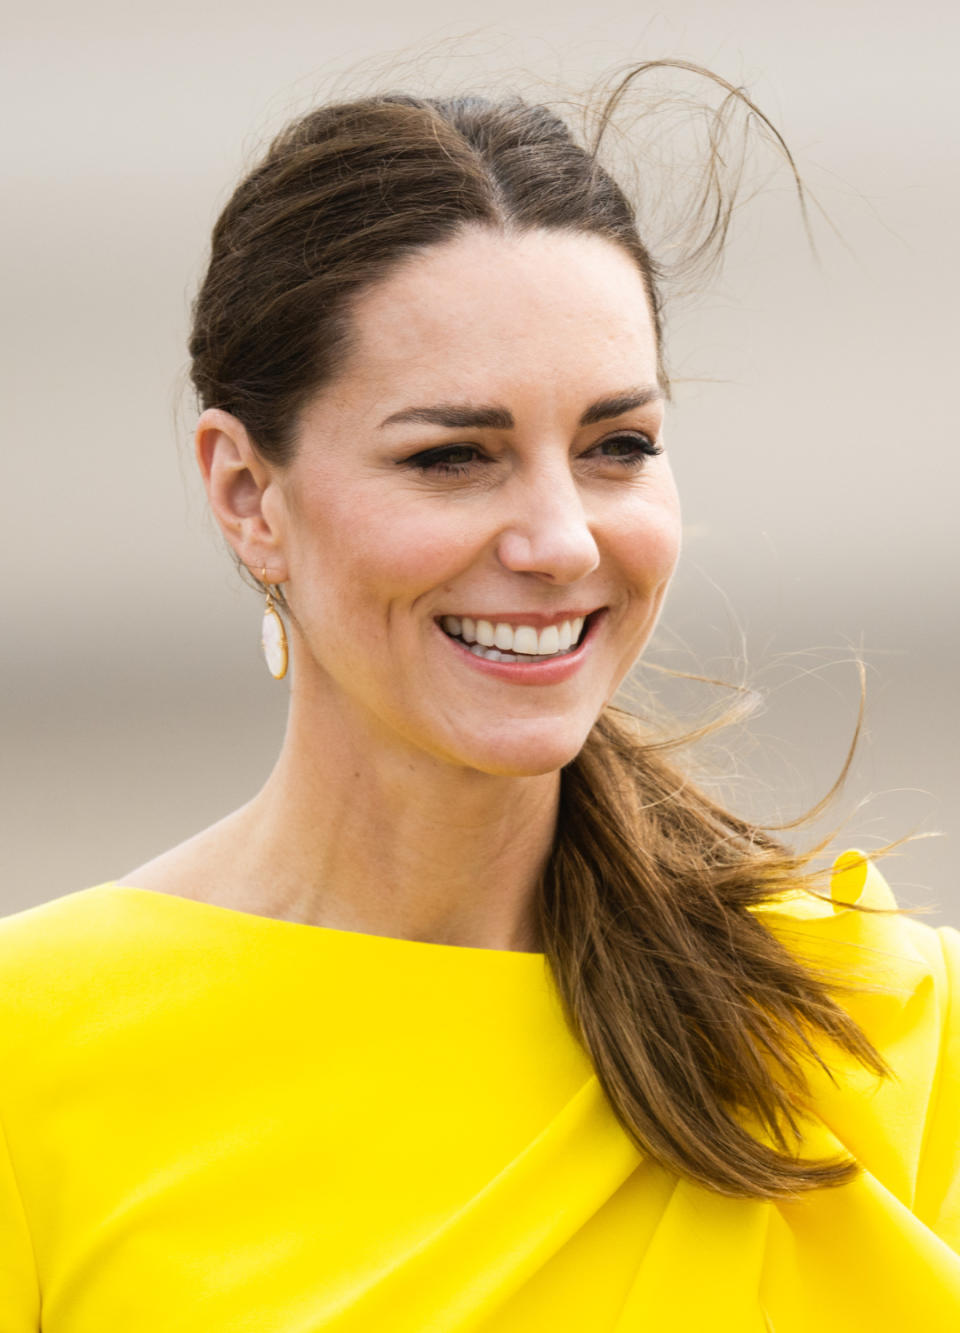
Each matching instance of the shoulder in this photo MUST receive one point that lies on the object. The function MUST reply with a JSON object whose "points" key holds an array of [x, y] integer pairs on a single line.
{"points": [[865, 941], [72, 958], [60, 940], [68, 923], [51, 962], [899, 979]]}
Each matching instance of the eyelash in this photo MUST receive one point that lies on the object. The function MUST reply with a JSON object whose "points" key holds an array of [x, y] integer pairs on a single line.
{"points": [[433, 460]]}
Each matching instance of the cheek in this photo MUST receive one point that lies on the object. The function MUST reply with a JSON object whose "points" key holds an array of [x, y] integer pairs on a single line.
{"points": [[374, 553], [646, 544]]}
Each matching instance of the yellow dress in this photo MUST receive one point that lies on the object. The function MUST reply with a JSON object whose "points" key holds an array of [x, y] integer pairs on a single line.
{"points": [[217, 1122]]}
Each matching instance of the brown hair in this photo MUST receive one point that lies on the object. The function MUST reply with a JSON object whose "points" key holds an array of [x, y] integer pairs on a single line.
{"points": [[695, 1016]]}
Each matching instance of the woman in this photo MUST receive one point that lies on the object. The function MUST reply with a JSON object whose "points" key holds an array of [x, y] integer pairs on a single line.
{"points": [[479, 1015]]}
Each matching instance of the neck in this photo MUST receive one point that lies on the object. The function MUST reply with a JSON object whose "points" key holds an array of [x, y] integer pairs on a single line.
{"points": [[379, 837]]}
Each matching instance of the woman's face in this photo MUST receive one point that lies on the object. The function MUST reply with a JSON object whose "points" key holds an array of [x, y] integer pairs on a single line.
{"points": [[489, 456]]}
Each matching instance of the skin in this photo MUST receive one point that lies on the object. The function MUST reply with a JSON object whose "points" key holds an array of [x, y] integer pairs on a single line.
{"points": [[415, 796]]}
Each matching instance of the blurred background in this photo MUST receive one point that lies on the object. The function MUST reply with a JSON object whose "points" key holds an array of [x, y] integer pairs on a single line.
{"points": [[812, 433]]}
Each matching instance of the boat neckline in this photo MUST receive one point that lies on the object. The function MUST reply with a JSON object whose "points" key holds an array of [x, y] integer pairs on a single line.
{"points": [[329, 932]]}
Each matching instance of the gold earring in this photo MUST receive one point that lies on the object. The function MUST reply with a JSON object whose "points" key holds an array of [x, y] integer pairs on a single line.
{"points": [[273, 637]]}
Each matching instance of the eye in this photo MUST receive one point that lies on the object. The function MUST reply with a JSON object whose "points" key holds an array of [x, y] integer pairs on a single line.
{"points": [[456, 460], [637, 447], [448, 461]]}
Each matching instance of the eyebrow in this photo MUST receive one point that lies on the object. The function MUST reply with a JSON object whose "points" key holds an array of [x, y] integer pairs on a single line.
{"points": [[465, 416]]}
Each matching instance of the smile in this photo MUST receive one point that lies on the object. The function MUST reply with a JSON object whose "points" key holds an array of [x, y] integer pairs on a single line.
{"points": [[499, 641]]}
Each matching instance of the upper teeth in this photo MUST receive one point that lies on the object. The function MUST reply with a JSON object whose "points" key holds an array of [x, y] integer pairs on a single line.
{"points": [[515, 638]]}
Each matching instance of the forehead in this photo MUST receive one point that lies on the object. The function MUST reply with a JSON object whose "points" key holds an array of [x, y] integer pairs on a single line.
{"points": [[485, 307]]}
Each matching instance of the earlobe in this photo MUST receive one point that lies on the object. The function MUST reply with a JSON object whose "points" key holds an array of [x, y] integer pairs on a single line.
{"points": [[236, 478]]}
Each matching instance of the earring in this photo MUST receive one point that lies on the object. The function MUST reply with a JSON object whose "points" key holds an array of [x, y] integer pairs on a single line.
{"points": [[273, 637]]}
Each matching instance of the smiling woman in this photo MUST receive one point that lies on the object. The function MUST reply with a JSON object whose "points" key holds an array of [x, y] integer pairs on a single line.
{"points": [[479, 1015]]}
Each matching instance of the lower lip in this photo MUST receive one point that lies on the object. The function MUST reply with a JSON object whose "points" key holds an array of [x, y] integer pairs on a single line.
{"points": [[548, 672]]}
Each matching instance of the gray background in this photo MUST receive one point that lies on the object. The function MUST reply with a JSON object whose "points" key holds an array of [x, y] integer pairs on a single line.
{"points": [[813, 435]]}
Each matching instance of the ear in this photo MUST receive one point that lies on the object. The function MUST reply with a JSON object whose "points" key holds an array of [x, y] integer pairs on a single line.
{"points": [[238, 480]]}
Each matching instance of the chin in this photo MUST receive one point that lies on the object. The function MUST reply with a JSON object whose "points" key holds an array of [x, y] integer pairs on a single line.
{"points": [[526, 757]]}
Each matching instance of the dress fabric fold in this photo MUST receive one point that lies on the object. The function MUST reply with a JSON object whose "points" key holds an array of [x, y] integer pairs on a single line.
{"points": [[213, 1120]]}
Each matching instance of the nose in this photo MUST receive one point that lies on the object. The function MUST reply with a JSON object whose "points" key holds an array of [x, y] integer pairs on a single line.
{"points": [[548, 532]]}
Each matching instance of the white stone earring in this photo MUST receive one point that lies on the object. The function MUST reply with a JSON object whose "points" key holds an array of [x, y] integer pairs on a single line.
{"points": [[273, 637]]}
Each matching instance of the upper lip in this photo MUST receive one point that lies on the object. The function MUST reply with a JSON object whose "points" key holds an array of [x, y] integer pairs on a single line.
{"points": [[536, 619]]}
